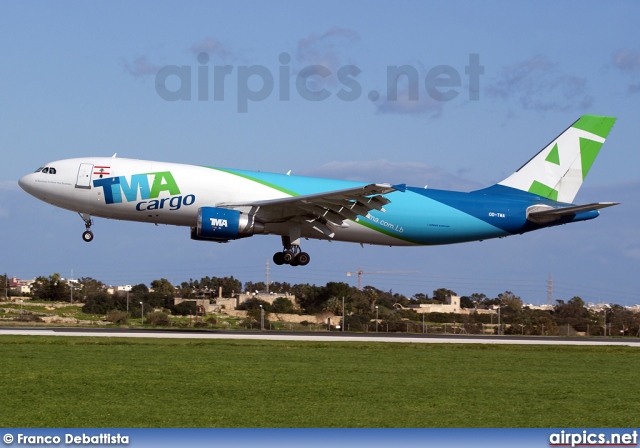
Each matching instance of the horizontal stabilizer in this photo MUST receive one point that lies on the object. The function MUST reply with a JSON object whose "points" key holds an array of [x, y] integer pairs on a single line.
{"points": [[543, 214]]}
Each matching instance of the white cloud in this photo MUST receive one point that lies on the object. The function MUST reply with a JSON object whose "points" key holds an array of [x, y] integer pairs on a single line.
{"points": [[406, 106], [212, 47], [628, 62], [140, 67], [537, 84], [326, 49]]}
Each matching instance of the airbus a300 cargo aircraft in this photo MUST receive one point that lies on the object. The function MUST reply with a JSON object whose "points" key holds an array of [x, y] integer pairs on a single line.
{"points": [[226, 204]]}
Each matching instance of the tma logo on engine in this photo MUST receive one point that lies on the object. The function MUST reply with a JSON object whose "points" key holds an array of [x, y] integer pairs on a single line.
{"points": [[218, 223], [138, 190]]}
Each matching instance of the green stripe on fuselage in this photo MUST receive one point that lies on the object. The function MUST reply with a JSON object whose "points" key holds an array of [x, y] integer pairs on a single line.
{"points": [[257, 180]]}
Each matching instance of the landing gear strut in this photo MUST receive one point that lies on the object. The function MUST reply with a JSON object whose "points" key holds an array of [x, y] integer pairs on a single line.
{"points": [[291, 254], [87, 235]]}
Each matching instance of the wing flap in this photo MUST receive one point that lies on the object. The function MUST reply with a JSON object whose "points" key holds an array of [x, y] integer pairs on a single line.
{"points": [[322, 211]]}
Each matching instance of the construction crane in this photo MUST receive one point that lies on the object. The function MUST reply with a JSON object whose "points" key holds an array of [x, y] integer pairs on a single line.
{"points": [[360, 272]]}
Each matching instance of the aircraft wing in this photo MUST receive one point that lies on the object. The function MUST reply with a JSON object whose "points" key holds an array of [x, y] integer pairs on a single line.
{"points": [[544, 214], [324, 212]]}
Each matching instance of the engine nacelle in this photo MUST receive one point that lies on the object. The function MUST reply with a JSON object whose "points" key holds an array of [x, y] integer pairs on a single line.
{"points": [[223, 224]]}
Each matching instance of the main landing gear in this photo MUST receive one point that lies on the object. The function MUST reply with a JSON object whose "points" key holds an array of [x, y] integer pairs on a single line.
{"points": [[291, 254], [87, 235]]}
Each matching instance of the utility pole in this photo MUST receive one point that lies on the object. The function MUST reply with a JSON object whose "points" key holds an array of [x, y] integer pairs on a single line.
{"points": [[267, 276], [359, 273]]}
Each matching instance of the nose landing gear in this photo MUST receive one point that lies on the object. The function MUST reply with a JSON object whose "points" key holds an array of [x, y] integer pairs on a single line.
{"points": [[291, 254], [87, 235]]}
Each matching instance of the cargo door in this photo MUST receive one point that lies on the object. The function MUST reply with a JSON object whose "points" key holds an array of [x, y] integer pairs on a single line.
{"points": [[84, 175]]}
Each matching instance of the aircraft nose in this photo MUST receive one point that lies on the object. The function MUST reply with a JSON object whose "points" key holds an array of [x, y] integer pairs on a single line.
{"points": [[26, 182]]}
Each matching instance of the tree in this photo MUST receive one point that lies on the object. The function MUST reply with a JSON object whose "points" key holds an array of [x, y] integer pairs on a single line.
{"points": [[622, 322], [309, 297], [253, 304], [337, 289], [442, 294], [139, 289], [102, 303], [254, 311], [90, 286], [279, 287], [575, 314], [371, 295], [163, 286], [117, 317], [333, 305], [420, 297], [157, 318], [477, 298], [186, 290], [510, 301], [4, 286], [230, 286], [466, 302], [52, 288], [253, 287], [282, 305], [184, 308]]}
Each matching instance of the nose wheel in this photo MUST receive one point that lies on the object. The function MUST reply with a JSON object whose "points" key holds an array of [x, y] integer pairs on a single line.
{"points": [[87, 235], [292, 255]]}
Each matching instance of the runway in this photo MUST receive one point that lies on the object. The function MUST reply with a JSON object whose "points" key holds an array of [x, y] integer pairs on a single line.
{"points": [[317, 336]]}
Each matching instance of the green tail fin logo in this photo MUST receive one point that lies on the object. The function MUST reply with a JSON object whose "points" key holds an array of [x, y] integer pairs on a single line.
{"points": [[558, 170]]}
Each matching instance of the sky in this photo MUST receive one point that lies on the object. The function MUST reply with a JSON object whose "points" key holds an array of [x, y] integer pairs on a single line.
{"points": [[147, 80]]}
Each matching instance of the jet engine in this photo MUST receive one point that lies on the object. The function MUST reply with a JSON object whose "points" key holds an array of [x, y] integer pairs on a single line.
{"points": [[223, 224]]}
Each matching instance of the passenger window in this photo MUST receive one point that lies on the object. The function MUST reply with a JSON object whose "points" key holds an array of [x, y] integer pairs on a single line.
{"points": [[45, 170], [38, 170], [52, 171]]}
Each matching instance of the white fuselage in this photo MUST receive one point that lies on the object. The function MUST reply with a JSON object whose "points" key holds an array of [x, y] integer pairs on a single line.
{"points": [[146, 193]]}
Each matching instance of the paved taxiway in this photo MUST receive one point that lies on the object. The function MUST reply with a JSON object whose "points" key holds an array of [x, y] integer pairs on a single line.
{"points": [[318, 336]]}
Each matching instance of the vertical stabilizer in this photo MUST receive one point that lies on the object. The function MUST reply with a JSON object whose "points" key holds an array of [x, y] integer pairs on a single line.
{"points": [[557, 172]]}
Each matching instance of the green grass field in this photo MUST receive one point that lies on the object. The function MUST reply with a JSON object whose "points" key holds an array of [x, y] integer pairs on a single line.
{"points": [[104, 382]]}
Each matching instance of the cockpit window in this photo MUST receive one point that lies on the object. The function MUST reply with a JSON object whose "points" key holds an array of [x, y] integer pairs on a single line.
{"points": [[46, 169]]}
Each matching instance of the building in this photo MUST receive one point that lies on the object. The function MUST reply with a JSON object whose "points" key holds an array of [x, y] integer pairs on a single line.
{"points": [[19, 286], [268, 297], [209, 305], [452, 305], [122, 289]]}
